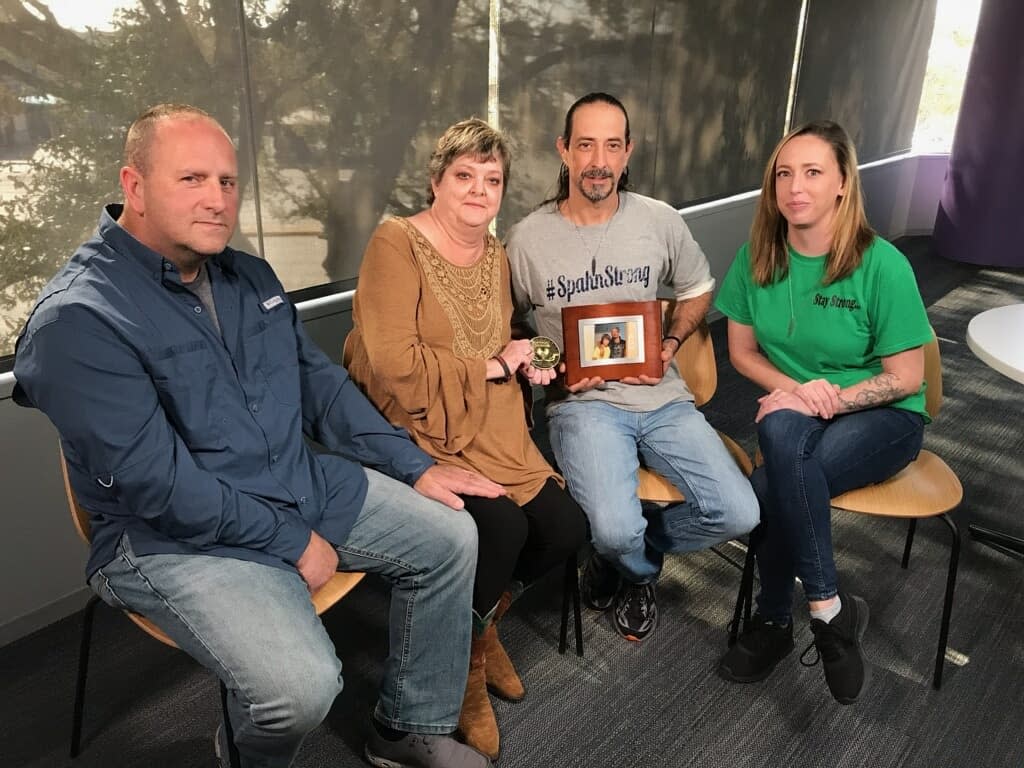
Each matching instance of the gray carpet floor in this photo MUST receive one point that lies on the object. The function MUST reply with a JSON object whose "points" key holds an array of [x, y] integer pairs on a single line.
{"points": [[659, 703]]}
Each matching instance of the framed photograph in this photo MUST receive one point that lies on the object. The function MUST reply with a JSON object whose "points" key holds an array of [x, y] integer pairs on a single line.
{"points": [[613, 341]]}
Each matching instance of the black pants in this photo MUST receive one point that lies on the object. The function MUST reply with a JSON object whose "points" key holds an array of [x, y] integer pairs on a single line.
{"points": [[523, 542]]}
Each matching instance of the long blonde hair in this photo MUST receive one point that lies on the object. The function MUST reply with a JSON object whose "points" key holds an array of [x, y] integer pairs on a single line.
{"points": [[851, 236]]}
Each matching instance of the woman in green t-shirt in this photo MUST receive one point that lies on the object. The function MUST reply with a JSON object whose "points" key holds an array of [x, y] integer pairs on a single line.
{"points": [[826, 317]]}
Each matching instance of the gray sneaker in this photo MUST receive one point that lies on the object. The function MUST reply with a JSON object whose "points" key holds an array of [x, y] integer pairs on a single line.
{"points": [[422, 750]]}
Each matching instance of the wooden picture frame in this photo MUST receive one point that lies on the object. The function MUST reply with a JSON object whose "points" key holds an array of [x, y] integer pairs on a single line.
{"points": [[613, 341]]}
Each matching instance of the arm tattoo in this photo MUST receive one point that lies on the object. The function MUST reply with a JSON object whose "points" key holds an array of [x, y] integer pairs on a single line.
{"points": [[878, 390]]}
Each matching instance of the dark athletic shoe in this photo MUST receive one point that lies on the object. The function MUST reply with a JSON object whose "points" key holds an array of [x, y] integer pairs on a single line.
{"points": [[838, 646], [762, 645], [422, 750], [599, 583], [636, 611]]}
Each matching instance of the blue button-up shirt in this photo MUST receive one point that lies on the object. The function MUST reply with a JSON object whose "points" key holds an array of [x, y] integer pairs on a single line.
{"points": [[189, 439]]}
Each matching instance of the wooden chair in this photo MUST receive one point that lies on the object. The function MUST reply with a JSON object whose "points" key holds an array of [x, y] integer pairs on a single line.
{"points": [[696, 362], [927, 487], [325, 597], [570, 582]]}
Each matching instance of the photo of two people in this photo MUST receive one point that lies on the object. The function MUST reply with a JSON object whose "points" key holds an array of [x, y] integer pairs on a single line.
{"points": [[607, 341]]}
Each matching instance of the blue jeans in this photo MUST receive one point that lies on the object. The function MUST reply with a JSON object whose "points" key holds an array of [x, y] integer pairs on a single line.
{"points": [[598, 448], [254, 625], [807, 462]]}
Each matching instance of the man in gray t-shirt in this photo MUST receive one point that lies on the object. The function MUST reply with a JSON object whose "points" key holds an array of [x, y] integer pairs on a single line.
{"points": [[596, 243]]}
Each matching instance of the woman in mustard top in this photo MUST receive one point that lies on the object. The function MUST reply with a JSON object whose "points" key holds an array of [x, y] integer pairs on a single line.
{"points": [[432, 348]]}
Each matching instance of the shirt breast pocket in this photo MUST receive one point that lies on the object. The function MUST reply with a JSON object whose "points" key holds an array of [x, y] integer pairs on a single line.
{"points": [[186, 379], [274, 351]]}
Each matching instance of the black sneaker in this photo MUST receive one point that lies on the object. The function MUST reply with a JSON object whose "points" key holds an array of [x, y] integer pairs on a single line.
{"points": [[599, 583], [838, 646], [762, 645], [636, 611]]}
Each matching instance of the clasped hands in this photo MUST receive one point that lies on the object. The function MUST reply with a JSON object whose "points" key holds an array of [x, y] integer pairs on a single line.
{"points": [[817, 397]]}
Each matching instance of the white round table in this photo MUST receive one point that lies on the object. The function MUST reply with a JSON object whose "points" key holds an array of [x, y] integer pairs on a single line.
{"points": [[996, 336]]}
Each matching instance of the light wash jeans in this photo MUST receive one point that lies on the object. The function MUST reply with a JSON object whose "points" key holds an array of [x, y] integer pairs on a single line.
{"points": [[598, 448], [807, 462], [254, 625]]}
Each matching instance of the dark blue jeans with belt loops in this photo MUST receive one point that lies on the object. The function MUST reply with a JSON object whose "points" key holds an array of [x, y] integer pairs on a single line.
{"points": [[807, 462]]}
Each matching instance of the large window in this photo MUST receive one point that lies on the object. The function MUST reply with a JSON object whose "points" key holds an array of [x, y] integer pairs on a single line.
{"points": [[335, 104], [350, 98], [862, 65], [956, 22], [74, 75], [705, 89]]}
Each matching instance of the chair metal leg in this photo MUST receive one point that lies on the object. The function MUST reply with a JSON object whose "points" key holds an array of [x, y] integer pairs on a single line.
{"points": [[734, 563], [1002, 542], [571, 590], [234, 761], [563, 641], [83, 671], [947, 606], [911, 528], [744, 597], [576, 613]]}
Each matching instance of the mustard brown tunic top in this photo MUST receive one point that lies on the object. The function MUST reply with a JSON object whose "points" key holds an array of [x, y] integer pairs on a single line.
{"points": [[424, 329]]}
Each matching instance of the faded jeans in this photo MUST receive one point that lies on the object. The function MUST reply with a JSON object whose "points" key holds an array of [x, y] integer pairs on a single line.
{"points": [[807, 462], [254, 625], [598, 448]]}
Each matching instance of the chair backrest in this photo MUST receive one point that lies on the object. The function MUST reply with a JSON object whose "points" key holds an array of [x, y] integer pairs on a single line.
{"points": [[78, 515], [695, 358], [933, 377]]}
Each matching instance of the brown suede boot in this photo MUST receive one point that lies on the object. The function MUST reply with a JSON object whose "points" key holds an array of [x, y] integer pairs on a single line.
{"points": [[477, 723], [502, 679]]}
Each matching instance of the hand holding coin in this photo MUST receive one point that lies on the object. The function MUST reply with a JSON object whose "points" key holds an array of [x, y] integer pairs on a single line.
{"points": [[545, 353]]}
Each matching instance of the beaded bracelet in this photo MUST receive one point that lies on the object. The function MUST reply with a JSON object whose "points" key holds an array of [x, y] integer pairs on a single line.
{"points": [[504, 367]]}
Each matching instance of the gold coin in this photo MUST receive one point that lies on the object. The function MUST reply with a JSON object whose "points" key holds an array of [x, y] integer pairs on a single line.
{"points": [[545, 352]]}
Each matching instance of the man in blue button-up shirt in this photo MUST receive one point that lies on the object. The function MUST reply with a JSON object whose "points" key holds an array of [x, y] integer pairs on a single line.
{"points": [[182, 382]]}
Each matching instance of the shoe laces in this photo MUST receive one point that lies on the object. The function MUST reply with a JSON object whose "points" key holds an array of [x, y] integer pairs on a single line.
{"points": [[639, 599], [428, 741], [827, 644], [807, 650]]}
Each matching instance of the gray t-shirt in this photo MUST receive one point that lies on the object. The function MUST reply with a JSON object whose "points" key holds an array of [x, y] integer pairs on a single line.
{"points": [[644, 245], [203, 291]]}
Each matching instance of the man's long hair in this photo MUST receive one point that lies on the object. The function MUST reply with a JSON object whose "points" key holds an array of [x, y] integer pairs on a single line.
{"points": [[563, 173]]}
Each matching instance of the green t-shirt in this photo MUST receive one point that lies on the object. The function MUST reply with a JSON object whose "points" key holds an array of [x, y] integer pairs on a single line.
{"points": [[836, 332]]}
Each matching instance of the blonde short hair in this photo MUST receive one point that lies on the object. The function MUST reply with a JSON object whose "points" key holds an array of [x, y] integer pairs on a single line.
{"points": [[469, 137], [141, 132]]}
